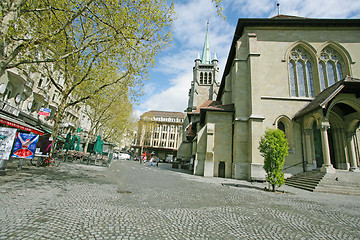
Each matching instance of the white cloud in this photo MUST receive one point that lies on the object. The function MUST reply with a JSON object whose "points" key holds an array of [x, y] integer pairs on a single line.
{"points": [[320, 8], [149, 88], [251, 8], [173, 98], [137, 114], [176, 64]]}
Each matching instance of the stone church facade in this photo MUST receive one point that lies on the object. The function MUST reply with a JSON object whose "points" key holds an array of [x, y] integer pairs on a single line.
{"points": [[296, 74]]}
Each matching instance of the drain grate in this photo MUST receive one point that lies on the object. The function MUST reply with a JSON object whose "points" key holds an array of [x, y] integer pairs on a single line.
{"points": [[121, 191]]}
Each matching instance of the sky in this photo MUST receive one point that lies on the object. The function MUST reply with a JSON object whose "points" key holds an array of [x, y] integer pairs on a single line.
{"points": [[170, 80]]}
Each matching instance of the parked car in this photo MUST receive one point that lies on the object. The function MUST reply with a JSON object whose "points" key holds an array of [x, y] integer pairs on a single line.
{"points": [[124, 156], [169, 158]]}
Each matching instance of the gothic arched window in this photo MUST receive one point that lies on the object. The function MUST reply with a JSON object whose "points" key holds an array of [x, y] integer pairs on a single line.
{"points": [[201, 78], [284, 124], [281, 126], [330, 67], [205, 78], [209, 82], [300, 73]]}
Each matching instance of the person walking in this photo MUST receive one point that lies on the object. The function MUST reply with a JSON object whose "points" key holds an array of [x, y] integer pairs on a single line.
{"points": [[144, 160], [152, 161]]}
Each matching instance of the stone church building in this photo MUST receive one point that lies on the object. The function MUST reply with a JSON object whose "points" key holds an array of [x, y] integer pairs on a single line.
{"points": [[297, 74]]}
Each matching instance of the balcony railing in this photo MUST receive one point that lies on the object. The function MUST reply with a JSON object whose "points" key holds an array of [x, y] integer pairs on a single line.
{"points": [[9, 109]]}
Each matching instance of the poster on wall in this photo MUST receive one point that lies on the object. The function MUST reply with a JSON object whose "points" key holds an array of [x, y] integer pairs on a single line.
{"points": [[7, 137], [43, 146], [25, 145]]}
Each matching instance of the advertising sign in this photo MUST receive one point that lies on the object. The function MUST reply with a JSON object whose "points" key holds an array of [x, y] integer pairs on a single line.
{"points": [[43, 146], [25, 145], [45, 111], [7, 137]]}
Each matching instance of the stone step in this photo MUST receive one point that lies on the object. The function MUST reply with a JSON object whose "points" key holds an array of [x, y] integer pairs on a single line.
{"points": [[338, 186], [299, 185], [348, 191], [310, 174], [342, 182], [305, 180], [305, 183]]}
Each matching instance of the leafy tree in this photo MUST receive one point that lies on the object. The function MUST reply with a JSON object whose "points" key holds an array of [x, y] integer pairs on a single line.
{"points": [[105, 38], [219, 9], [274, 148], [80, 42], [28, 27], [109, 113]]}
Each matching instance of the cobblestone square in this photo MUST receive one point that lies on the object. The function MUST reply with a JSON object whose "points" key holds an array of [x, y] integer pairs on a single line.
{"points": [[133, 201]]}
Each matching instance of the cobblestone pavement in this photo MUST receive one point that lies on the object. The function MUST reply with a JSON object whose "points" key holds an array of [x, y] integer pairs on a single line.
{"points": [[132, 201]]}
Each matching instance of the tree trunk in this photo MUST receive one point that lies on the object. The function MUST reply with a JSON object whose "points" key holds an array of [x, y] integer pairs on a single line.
{"points": [[58, 120], [91, 134], [86, 144]]}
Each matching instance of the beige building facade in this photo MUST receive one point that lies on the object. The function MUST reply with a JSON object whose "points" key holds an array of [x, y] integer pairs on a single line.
{"points": [[24, 94], [159, 134], [296, 74]]}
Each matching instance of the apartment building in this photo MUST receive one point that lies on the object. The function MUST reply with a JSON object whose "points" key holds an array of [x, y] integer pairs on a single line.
{"points": [[29, 102], [159, 134]]}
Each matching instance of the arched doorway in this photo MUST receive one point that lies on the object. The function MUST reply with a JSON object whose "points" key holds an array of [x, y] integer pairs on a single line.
{"points": [[344, 121], [336, 111]]}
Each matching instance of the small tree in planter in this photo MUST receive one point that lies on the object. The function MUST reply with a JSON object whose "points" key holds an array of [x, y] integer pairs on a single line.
{"points": [[274, 148]]}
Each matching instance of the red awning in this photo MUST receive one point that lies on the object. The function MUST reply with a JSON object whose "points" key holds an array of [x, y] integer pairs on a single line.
{"points": [[19, 124]]}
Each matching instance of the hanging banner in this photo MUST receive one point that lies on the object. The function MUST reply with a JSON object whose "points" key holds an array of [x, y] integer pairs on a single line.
{"points": [[7, 137], [25, 145]]}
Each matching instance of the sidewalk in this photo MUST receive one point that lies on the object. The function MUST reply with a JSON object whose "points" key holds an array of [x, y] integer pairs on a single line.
{"points": [[12, 174], [228, 182]]}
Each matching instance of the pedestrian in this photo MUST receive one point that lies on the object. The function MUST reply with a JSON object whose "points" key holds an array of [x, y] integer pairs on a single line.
{"points": [[157, 162], [152, 161]]}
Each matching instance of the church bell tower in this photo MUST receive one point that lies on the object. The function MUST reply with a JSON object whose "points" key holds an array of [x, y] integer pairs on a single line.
{"points": [[204, 85]]}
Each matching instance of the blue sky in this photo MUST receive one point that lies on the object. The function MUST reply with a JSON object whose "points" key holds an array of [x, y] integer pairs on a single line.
{"points": [[167, 89]]}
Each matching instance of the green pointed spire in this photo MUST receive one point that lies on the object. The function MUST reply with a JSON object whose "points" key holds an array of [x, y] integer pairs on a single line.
{"points": [[206, 56]]}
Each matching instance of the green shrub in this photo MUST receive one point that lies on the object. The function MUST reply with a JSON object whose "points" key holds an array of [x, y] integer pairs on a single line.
{"points": [[274, 148]]}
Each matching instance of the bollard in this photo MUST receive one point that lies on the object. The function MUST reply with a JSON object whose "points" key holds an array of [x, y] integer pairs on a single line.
{"points": [[3, 164], [20, 163]]}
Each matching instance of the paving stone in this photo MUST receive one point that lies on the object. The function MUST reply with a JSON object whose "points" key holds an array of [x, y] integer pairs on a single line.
{"points": [[130, 201]]}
